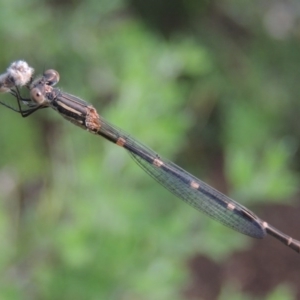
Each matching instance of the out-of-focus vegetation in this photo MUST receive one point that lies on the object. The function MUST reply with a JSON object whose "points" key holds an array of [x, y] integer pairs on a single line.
{"points": [[212, 86]]}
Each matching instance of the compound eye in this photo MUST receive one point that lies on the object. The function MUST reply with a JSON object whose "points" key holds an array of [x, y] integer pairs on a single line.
{"points": [[51, 77], [37, 96]]}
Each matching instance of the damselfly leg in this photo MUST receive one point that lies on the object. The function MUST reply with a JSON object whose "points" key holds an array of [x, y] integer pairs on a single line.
{"points": [[25, 106]]}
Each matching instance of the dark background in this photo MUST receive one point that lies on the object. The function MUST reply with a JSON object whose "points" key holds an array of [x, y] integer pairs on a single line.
{"points": [[211, 85]]}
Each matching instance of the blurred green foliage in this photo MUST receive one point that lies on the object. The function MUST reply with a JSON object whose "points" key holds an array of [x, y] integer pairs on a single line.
{"points": [[78, 219]]}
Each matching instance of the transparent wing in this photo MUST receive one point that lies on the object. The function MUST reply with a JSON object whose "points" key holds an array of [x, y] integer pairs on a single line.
{"points": [[187, 187], [204, 198]]}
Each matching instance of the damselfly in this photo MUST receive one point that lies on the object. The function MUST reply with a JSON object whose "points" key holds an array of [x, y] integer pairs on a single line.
{"points": [[184, 185]]}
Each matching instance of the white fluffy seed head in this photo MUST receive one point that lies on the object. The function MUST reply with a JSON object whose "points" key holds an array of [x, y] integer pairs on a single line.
{"points": [[20, 72]]}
